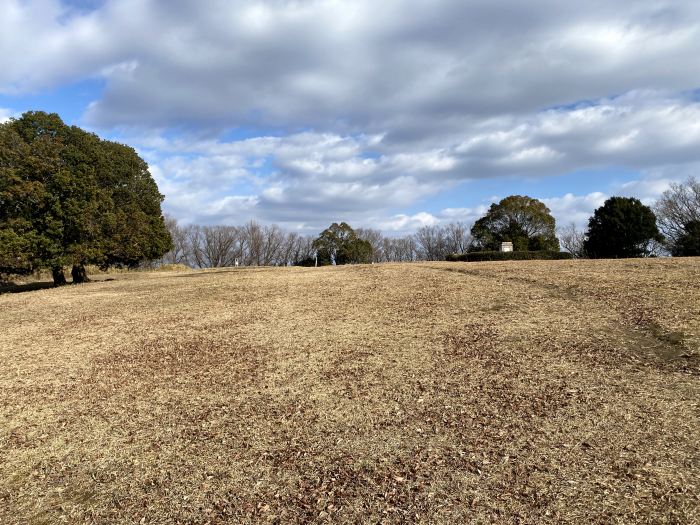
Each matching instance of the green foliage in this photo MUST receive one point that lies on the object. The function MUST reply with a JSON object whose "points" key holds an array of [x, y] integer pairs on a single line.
{"points": [[15, 252], [307, 261], [133, 225], [340, 244], [688, 243], [522, 220], [622, 227], [69, 198], [509, 256]]}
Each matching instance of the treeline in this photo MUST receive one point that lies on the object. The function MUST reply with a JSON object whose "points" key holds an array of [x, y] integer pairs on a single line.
{"points": [[254, 244], [624, 227]]}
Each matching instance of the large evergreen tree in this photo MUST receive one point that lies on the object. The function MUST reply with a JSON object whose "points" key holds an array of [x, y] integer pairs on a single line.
{"points": [[69, 199], [19, 198], [522, 220], [339, 244], [621, 227], [133, 226]]}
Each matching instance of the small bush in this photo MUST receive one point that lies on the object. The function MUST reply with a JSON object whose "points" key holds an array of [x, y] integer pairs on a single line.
{"points": [[508, 256]]}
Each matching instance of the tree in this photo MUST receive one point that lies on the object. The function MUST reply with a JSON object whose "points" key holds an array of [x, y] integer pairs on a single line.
{"points": [[69, 199], [621, 227], [220, 245], [678, 207], [572, 240], [339, 244], [19, 198], [55, 177], [355, 251], [400, 249], [687, 244], [134, 229], [180, 252], [522, 220], [431, 243], [457, 237], [375, 239]]}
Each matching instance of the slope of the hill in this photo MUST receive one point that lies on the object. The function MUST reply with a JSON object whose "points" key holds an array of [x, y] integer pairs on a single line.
{"points": [[528, 392]]}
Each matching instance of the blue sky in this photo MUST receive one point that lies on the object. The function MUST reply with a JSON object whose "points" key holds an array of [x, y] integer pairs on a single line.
{"points": [[303, 113]]}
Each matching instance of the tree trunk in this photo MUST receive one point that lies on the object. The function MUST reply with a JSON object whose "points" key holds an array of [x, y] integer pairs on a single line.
{"points": [[59, 278], [79, 274]]}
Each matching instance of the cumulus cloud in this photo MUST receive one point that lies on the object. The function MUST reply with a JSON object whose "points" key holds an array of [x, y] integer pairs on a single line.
{"points": [[402, 223], [575, 209], [362, 65], [311, 178], [5, 115], [355, 63], [357, 109]]}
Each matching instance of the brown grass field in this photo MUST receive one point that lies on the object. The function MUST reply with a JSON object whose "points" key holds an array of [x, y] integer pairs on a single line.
{"points": [[519, 392]]}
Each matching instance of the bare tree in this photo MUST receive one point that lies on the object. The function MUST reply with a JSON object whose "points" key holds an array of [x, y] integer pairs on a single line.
{"points": [[195, 241], [220, 245], [388, 249], [406, 249], [572, 240], [399, 249], [271, 248], [180, 251], [288, 249], [457, 237], [375, 239], [295, 248], [678, 207], [254, 238], [304, 249], [431, 243]]}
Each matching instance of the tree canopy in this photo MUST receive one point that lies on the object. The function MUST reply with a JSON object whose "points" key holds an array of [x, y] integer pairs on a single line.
{"points": [[68, 198], [340, 244], [687, 243], [522, 220], [621, 227]]}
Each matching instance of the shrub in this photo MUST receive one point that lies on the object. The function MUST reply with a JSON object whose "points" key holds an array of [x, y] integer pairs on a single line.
{"points": [[508, 256]]}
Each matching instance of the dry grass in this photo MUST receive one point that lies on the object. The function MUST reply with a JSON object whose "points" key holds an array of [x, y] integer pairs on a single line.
{"points": [[527, 392]]}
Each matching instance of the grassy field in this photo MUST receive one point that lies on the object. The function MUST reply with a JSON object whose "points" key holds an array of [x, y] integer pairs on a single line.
{"points": [[520, 392]]}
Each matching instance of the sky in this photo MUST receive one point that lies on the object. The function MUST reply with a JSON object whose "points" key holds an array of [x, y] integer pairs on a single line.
{"points": [[390, 115]]}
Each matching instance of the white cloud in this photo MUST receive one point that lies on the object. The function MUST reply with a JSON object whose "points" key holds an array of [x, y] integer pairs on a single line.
{"points": [[574, 208], [319, 177], [359, 64], [466, 215], [407, 223], [5, 115], [362, 108]]}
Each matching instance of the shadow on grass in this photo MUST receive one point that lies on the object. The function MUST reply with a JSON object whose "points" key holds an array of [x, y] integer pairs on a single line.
{"points": [[9, 287]]}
